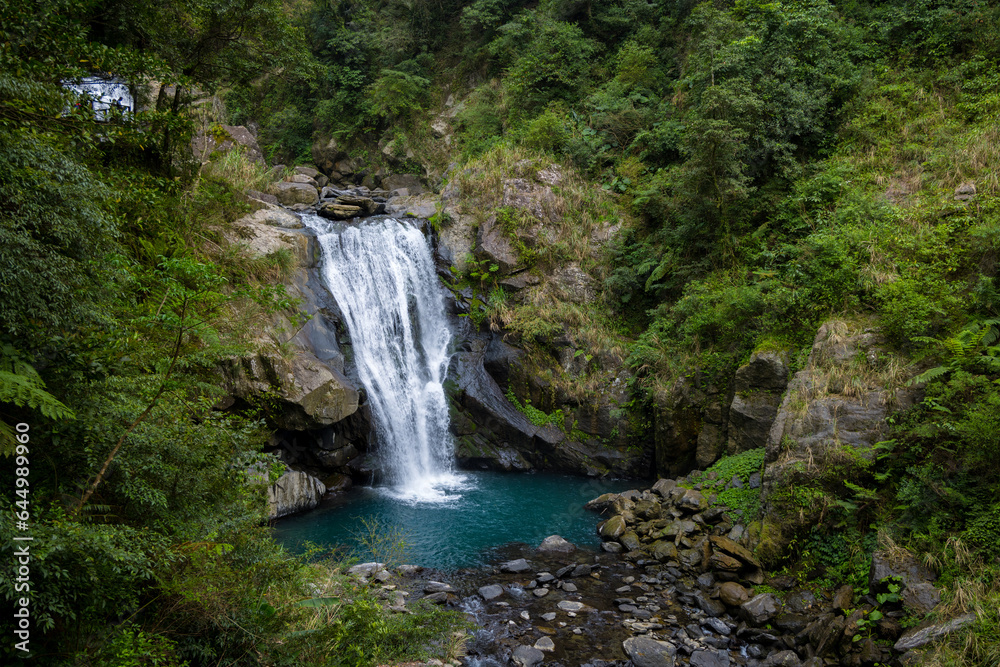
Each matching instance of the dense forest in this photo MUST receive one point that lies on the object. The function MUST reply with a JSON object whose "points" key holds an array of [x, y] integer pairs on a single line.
{"points": [[766, 167]]}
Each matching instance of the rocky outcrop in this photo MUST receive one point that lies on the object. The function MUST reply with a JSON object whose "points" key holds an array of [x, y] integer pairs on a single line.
{"points": [[840, 401], [216, 139], [294, 492], [757, 390]]}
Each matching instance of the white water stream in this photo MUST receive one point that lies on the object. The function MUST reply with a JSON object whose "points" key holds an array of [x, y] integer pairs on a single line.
{"points": [[382, 276]]}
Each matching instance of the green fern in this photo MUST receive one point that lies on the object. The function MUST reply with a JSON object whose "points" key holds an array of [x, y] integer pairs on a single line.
{"points": [[21, 385], [973, 344]]}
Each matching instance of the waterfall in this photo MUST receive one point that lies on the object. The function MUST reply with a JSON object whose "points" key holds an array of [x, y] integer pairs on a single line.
{"points": [[382, 276]]}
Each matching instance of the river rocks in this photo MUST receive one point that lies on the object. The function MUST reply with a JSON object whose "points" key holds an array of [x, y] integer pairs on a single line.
{"points": [[760, 609], [556, 544], [646, 652], [527, 656], [293, 492], [491, 592], [515, 566], [410, 182], [414, 206], [573, 606], [294, 193], [710, 659], [732, 594], [339, 211]]}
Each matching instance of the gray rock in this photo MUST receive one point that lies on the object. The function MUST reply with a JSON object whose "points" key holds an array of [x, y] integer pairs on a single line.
{"points": [[921, 598], [515, 566], [760, 609], [918, 637], [295, 491], [549, 616], [527, 656], [581, 570], [437, 598], [664, 487], [717, 625], [692, 501], [491, 592], [646, 652], [710, 659], [540, 592], [365, 569], [545, 644], [782, 659], [569, 587], [438, 587], [556, 544], [294, 193], [409, 181], [573, 606]]}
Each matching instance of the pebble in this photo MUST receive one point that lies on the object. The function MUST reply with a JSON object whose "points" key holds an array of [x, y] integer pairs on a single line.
{"points": [[526, 616], [549, 616], [624, 589], [569, 587], [540, 592]]}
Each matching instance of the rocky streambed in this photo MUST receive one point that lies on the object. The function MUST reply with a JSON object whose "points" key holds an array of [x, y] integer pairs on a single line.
{"points": [[675, 583]]}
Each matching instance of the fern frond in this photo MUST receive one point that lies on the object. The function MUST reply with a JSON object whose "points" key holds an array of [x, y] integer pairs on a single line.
{"points": [[929, 375]]}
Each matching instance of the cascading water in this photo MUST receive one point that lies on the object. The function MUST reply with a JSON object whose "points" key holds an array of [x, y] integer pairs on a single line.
{"points": [[382, 276]]}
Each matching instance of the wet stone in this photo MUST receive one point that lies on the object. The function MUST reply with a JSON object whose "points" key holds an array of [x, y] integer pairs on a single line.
{"points": [[527, 656], [515, 566], [540, 592], [569, 587], [563, 571], [491, 592], [545, 644], [717, 625], [646, 652], [549, 616], [545, 577], [710, 659], [581, 570]]}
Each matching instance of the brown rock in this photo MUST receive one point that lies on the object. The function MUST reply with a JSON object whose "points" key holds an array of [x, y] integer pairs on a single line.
{"points": [[732, 594]]}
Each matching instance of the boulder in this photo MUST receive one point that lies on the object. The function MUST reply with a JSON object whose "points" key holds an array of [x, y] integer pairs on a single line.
{"points": [[782, 659], [556, 544], [527, 656], [646, 652], [293, 492], [732, 594], [920, 636], [224, 138], [710, 659], [515, 566], [311, 394], [294, 193], [335, 211], [613, 528], [760, 609], [409, 181], [491, 592], [412, 205]]}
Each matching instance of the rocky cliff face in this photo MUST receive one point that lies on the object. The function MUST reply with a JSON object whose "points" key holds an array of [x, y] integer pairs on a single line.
{"points": [[831, 416], [300, 375]]}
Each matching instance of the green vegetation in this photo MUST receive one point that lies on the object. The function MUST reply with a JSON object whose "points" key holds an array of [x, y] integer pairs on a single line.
{"points": [[731, 175], [119, 298]]}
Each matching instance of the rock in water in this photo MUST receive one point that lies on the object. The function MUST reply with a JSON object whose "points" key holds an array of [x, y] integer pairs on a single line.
{"points": [[491, 592], [515, 566], [555, 543], [527, 656], [294, 491], [646, 652]]}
